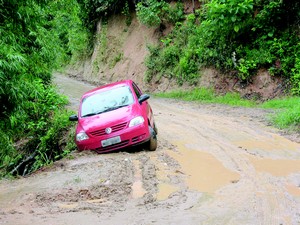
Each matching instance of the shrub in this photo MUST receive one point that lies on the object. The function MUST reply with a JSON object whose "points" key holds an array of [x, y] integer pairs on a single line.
{"points": [[296, 77], [232, 35], [34, 129], [154, 12]]}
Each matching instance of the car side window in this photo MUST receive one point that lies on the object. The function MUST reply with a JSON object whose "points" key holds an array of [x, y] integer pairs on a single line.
{"points": [[136, 90]]}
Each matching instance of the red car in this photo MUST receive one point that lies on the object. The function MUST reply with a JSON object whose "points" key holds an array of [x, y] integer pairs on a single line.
{"points": [[115, 116]]}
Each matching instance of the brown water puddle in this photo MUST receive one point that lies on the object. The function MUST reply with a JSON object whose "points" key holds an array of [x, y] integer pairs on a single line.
{"points": [[270, 143], [276, 167], [138, 190], [204, 172], [293, 190], [165, 188]]}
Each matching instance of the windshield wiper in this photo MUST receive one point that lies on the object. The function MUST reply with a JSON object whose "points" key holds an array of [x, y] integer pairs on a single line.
{"points": [[114, 108], [119, 106], [92, 114]]}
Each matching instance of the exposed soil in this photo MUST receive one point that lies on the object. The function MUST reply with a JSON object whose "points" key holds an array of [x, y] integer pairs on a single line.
{"points": [[214, 165], [121, 52]]}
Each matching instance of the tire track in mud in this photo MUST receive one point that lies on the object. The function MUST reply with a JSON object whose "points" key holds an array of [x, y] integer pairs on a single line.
{"points": [[110, 189]]}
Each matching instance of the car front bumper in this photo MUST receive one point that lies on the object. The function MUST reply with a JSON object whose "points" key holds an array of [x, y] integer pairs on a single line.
{"points": [[130, 136]]}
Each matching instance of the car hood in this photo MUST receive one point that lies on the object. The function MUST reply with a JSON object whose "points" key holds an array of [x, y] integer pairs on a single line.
{"points": [[107, 119]]}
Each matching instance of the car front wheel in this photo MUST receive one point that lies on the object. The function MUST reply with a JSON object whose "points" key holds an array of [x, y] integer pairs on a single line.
{"points": [[152, 143]]}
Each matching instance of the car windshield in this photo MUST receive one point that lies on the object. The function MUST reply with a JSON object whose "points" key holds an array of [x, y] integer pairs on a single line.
{"points": [[106, 101]]}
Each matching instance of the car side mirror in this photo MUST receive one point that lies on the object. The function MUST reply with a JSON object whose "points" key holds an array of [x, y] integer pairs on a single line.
{"points": [[143, 98], [73, 118]]}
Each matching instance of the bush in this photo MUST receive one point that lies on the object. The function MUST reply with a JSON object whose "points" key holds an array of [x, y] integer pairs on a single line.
{"points": [[93, 10], [154, 12], [174, 58], [231, 35], [50, 147], [34, 130], [36, 38], [296, 77]]}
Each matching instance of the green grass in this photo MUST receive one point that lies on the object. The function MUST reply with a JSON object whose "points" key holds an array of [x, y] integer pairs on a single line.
{"points": [[288, 109], [205, 95], [288, 114]]}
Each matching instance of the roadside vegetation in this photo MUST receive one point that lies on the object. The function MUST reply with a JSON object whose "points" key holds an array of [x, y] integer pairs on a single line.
{"points": [[288, 115], [287, 109], [37, 37], [205, 95], [231, 35]]}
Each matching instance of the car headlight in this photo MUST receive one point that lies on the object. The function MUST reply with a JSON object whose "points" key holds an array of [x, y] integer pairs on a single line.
{"points": [[81, 136], [136, 121]]}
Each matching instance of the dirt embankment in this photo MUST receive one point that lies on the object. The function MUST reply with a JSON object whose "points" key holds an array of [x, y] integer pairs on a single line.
{"points": [[214, 165], [120, 51]]}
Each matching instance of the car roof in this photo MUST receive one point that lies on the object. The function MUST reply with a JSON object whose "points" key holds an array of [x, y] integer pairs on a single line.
{"points": [[108, 87]]}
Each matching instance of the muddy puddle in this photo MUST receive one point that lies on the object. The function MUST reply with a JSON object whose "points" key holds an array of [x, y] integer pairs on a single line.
{"points": [[271, 144], [166, 173], [293, 190], [138, 190], [275, 167], [203, 171]]}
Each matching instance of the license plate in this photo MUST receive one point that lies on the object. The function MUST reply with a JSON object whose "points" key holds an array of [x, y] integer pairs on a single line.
{"points": [[111, 141]]}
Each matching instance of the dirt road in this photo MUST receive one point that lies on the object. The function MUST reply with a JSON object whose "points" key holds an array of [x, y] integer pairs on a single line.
{"points": [[214, 165]]}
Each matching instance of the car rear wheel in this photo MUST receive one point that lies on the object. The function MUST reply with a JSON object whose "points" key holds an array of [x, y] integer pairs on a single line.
{"points": [[152, 143]]}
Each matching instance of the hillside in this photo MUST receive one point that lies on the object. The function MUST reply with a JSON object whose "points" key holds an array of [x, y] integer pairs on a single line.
{"points": [[120, 51]]}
